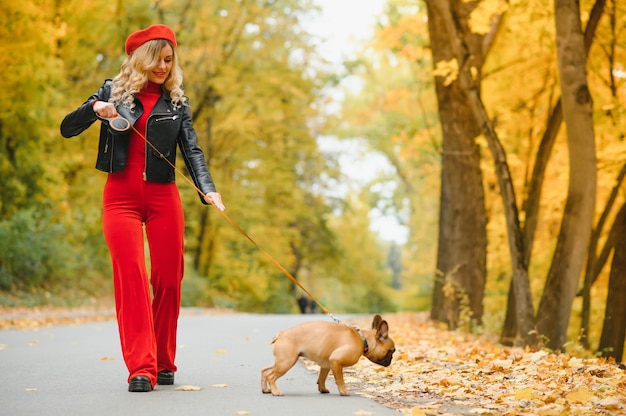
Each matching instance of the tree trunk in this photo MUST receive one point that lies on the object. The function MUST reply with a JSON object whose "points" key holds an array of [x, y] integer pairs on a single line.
{"points": [[530, 206], [564, 275], [614, 329], [595, 261], [469, 63], [596, 13], [461, 255]]}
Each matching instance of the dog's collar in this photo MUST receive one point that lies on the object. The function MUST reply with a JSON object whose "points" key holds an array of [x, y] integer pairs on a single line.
{"points": [[366, 347]]}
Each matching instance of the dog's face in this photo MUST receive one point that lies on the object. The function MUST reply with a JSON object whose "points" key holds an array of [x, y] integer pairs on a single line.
{"points": [[382, 352]]}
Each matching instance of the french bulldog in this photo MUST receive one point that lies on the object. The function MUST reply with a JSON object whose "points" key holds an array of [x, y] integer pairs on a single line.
{"points": [[332, 346]]}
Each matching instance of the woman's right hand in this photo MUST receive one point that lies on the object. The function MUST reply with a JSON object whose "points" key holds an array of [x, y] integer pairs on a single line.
{"points": [[104, 109], [214, 198]]}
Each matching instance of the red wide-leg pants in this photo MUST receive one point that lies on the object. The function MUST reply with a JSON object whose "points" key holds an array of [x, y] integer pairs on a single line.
{"points": [[147, 324]]}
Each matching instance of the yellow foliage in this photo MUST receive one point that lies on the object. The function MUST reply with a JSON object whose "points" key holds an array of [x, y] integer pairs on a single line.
{"points": [[403, 33], [412, 52], [448, 70], [482, 17]]}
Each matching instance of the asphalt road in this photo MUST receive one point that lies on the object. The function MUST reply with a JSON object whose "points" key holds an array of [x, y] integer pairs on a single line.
{"points": [[78, 370]]}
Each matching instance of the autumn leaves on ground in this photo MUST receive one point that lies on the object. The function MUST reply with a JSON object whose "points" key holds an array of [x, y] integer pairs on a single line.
{"points": [[437, 372]]}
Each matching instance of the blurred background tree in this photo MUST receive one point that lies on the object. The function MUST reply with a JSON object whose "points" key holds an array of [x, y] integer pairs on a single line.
{"points": [[255, 100], [518, 91]]}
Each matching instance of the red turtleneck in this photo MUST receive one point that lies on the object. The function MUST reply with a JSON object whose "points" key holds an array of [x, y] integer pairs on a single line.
{"points": [[148, 97]]}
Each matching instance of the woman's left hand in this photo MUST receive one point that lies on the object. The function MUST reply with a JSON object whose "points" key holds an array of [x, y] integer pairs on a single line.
{"points": [[214, 198]]}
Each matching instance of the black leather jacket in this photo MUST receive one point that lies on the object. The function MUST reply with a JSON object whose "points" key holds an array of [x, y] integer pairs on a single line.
{"points": [[166, 128]]}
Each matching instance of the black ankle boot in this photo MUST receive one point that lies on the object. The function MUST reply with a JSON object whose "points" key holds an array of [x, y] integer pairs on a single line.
{"points": [[139, 384], [165, 377]]}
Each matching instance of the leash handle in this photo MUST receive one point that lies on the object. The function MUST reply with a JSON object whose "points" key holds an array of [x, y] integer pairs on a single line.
{"points": [[236, 226], [117, 123]]}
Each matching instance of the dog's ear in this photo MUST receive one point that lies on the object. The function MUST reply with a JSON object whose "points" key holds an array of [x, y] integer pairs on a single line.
{"points": [[376, 322], [382, 332]]}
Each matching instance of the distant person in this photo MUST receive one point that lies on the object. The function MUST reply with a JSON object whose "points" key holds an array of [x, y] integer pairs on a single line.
{"points": [[140, 192], [303, 303], [306, 305]]}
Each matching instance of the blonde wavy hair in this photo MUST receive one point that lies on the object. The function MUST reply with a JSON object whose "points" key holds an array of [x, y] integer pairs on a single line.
{"points": [[133, 75]]}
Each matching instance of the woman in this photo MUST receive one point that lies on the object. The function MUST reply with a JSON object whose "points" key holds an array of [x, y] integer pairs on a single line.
{"points": [[140, 192]]}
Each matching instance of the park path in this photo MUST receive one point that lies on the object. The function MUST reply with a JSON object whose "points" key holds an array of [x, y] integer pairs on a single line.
{"points": [[78, 370]]}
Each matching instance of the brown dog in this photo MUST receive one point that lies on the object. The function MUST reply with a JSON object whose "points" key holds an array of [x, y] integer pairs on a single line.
{"points": [[331, 345]]}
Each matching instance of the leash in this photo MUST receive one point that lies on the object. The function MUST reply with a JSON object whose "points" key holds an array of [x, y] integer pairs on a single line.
{"points": [[227, 218]]}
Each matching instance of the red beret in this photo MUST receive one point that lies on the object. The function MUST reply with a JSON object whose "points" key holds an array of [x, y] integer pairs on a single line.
{"points": [[138, 38]]}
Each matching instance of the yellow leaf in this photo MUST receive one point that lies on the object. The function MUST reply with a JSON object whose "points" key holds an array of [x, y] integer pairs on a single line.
{"points": [[243, 412], [482, 17], [582, 395], [362, 412], [107, 358], [219, 386], [416, 411], [609, 403], [474, 72], [526, 393], [575, 363], [448, 69], [220, 352], [188, 388]]}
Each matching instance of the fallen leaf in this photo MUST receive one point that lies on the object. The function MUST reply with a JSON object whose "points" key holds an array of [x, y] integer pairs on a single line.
{"points": [[581, 395], [551, 410], [524, 394], [219, 386], [575, 363], [536, 356], [609, 403], [362, 412], [188, 388], [31, 389], [243, 412], [480, 411], [107, 358], [416, 411]]}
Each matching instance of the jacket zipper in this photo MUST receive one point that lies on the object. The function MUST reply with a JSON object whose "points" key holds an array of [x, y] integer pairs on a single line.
{"points": [[145, 165], [106, 148], [172, 117]]}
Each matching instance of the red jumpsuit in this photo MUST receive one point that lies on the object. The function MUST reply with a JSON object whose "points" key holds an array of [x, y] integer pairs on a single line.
{"points": [[147, 322]]}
